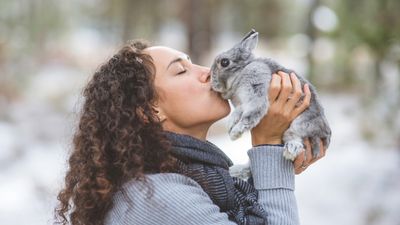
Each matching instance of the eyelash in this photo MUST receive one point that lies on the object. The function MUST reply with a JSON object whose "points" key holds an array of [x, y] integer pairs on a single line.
{"points": [[182, 72]]}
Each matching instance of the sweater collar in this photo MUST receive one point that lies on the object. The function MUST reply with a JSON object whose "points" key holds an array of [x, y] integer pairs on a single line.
{"points": [[186, 147]]}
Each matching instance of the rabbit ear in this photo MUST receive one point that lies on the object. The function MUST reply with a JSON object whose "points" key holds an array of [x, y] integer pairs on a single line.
{"points": [[249, 34], [249, 42]]}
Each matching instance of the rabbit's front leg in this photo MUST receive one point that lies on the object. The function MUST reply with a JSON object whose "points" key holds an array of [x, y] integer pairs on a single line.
{"points": [[235, 117], [253, 112]]}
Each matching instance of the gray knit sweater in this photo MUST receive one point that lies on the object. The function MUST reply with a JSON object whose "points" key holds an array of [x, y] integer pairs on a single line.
{"points": [[179, 200]]}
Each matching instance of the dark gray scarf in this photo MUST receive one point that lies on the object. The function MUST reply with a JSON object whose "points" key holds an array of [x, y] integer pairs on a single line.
{"points": [[209, 166]]}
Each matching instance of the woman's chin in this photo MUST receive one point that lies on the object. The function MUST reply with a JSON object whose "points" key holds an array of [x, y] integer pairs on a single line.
{"points": [[225, 110], [220, 107]]}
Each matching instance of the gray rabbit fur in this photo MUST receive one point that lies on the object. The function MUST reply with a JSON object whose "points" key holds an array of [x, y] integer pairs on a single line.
{"points": [[244, 79]]}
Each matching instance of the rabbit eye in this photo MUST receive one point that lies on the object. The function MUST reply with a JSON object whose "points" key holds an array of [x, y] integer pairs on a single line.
{"points": [[224, 62]]}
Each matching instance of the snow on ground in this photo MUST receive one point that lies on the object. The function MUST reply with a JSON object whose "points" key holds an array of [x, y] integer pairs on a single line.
{"points": [[356, 183]]}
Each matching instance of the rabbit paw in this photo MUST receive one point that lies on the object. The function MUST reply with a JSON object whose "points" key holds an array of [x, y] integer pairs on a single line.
{"points": [[236, 131], [234, 119], [292, 149]]}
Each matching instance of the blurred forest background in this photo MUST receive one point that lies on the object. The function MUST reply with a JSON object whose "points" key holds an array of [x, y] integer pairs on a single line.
{"points": [[350, 50]]}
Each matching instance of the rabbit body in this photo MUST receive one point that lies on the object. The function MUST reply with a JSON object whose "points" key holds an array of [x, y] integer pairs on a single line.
{"points": [[244, 79]]}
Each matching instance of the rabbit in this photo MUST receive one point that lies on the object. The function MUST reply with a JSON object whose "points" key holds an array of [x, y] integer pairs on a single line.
{"points": [[244, 79]]}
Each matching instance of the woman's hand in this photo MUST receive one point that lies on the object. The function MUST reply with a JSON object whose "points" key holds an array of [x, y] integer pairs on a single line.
{"points": [[305, 159], [284, 94]]}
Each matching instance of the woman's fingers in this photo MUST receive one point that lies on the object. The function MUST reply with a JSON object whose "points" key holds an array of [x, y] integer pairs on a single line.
{"points": [[296, 93], [274, 88], [286, 88], [303, 160], [298, 162], [306, 102]]}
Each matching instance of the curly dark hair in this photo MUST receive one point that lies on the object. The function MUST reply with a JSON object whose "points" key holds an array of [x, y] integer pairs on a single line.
{"points": [[119, 137]]}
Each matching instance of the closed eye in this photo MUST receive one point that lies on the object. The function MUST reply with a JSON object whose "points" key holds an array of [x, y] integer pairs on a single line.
{"points": [[182, 72]]}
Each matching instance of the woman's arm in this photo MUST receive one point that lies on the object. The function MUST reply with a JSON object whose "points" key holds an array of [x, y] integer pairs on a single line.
{"points": [[273, 177]]}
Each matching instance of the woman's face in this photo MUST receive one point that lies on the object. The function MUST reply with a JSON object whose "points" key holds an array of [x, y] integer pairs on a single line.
{"points": [[186, 100]]}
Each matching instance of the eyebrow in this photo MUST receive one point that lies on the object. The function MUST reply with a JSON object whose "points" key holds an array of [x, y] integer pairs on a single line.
{"points": [[174, 61], [177, 60]]}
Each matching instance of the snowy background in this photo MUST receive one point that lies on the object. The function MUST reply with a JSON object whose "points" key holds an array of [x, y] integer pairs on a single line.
{"points": [[357, 183]]}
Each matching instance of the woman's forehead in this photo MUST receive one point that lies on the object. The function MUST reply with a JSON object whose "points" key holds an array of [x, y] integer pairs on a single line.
{"points": [[164, 54]]}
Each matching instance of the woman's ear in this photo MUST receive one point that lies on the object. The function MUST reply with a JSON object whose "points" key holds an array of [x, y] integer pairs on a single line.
{"points": [[160, 114]]}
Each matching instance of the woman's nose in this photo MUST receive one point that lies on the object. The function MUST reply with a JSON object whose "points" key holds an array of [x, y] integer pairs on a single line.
{"points": [[204, 74]]}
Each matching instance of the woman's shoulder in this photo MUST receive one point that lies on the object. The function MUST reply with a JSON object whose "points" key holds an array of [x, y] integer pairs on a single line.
{"points": [[160, 200], [155, 187], [173, 179]]}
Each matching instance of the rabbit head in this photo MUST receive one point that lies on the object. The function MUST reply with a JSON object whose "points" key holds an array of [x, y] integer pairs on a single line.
{"points": [[227, 65]]}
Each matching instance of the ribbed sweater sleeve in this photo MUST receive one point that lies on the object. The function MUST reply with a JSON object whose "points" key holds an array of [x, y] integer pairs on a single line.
{"points": [[179, 200], [273, 177]]}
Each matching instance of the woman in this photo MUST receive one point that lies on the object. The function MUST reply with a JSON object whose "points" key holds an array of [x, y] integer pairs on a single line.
{"points": [[140, 154]]}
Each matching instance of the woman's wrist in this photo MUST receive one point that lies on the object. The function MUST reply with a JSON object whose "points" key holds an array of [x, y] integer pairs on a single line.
{"points": [[257, 140]]}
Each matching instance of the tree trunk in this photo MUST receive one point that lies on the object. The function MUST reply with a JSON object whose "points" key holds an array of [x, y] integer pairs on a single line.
{"points": [[197, 20], [127, 19], [311, 32]]}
